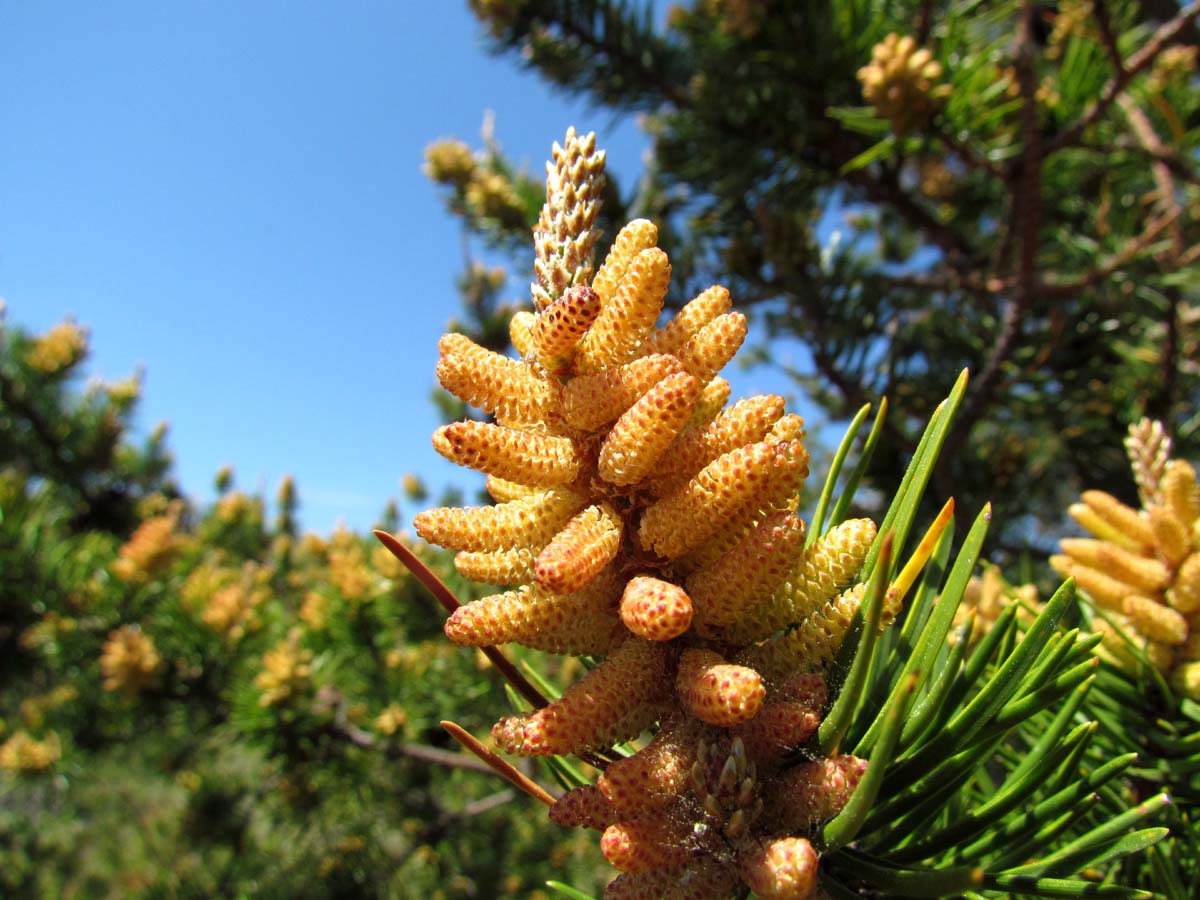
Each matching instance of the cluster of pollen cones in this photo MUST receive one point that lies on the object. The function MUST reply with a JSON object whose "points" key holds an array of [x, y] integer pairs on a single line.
{"points": [[1141, 567], [643, 518], [903, 82]]}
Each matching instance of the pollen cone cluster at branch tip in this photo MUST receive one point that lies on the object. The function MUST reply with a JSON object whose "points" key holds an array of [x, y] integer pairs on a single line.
{"points": [[1141, 566], [642, 517], [904, 83]]}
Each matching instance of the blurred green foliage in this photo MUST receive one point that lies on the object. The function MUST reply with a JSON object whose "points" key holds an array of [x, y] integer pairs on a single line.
{"points": [[198, 701]]}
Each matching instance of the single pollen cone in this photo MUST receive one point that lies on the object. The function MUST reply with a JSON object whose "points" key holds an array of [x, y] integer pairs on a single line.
{"points": [[529, 521], [584, 807], [508, 453], [638, 235], [496, 384], [740, 479], [560, 326], [654, 609], [585, 546], [581, 622], [645, 844], [749, 573], [628, 318], [697, 313], [614, 702], [654, 776], [716, 692], [646, 429]]}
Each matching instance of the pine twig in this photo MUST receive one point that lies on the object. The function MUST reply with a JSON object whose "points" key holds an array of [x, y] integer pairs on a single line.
{"points": [[498, 764], [1143, 130], [1133, 247], [1107, 37], [1133, 66], [1027, 221], [364, 740], [450, 603]]}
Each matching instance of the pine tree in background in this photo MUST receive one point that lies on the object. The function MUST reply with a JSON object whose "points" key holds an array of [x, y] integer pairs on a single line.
{"points": [[79, 446], [65, 458], [1013, 185]]}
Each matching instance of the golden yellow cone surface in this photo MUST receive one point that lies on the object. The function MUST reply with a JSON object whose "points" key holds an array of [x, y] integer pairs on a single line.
{"points": [[625, 482]]}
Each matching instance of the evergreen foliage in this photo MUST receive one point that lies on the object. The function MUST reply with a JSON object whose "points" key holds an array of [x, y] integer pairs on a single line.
{"points": [[1034, 222], [198, 701]]}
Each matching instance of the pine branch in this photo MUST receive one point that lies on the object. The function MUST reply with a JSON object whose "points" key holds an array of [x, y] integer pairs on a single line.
{"points": [[1133, 248], [1027, 220], [1132, 67], [62, 467]]}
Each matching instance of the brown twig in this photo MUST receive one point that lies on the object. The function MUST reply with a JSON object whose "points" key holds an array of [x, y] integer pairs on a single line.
{"points": [[1107, 37], [1144, 131], [1132, 67], [1147, 136], [1117, 261], [484, 804], [450, 603], [924, 21], [1190, 257], [953, 281], [364, 740], [443, 757], [1161, 11], [1025, 225], [498, 764], [1179, 166]]}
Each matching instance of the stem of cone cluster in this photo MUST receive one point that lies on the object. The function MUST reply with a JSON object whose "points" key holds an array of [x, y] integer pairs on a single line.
{"points": [[446, 597], [499, 765]]}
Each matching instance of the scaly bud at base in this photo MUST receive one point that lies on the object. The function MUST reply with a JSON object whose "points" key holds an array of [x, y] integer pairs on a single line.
{"points": [[782, 869]]}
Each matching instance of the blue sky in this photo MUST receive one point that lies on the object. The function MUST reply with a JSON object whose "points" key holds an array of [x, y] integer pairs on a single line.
{"points": [[229, 196]]}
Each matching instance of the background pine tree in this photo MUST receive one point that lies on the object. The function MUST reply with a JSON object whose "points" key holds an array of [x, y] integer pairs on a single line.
{"points": [[1034, 221]]}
